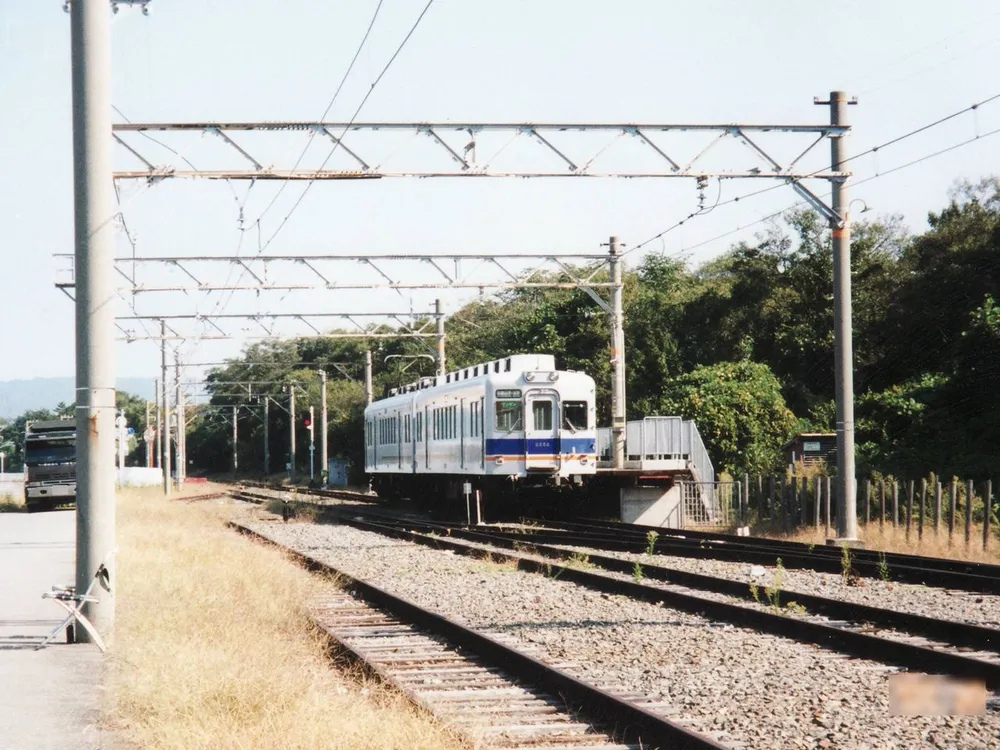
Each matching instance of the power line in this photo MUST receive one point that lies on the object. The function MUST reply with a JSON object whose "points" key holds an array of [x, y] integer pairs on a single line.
{"points": [[298, 161], [873, 150], [337, 141], [343, 80], [859, 182], [349, 124]]}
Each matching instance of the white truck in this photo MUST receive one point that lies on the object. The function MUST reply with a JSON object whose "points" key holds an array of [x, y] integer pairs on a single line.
{"points": [[49, 463]]}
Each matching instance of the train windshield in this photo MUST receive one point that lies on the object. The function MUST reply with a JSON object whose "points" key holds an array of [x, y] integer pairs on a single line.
{"points": [[574, 415], [509, 416]]}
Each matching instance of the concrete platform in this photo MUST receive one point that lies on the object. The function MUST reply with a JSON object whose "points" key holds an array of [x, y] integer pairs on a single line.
{"points": [[50, 698]]}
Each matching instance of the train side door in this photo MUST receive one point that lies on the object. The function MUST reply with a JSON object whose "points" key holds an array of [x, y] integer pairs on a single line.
{"points": [[541, 436]]}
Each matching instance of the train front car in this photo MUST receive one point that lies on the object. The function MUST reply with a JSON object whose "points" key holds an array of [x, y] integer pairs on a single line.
{"points": [[540, 424], [501, 427]]}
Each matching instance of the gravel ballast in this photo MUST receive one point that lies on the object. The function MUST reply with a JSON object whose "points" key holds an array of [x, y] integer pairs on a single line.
{"points": [[946, 604], [745, 688]]}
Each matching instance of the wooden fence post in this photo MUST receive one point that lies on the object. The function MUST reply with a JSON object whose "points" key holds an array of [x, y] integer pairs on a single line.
{"points": [[804, 504], [881, 505], [970, 492], [817, 499], [952, 510], [866, 492], [909, 507], [987, 511], [771, 511], [937, 508], [746, 498], [829, 501], [895, 504], [923, 506], [793, 508]]}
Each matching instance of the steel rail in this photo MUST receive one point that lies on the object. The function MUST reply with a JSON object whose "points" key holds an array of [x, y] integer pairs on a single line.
{"points": [[949, 631], [923, 562], [631, 721], [862, 645]]}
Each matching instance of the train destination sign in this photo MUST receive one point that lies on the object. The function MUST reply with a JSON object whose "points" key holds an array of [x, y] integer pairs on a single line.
{"points": [[508, 393]]}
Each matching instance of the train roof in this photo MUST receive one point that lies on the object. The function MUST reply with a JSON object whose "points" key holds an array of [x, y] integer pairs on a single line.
{"points": [[513, 363]]}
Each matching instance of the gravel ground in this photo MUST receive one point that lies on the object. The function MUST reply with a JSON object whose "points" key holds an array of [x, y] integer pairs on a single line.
{"points": [[747, 689], [947, 604]]}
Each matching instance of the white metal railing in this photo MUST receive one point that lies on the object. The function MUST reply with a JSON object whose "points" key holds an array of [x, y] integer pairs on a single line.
{"points": [[662, 439]]}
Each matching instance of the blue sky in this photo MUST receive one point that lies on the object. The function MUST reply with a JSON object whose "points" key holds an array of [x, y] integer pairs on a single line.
{"points": [[909, 62]]}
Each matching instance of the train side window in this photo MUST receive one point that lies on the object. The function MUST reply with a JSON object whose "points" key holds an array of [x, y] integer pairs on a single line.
{"points": [[509, 416], [575, 416], [541, 415]]}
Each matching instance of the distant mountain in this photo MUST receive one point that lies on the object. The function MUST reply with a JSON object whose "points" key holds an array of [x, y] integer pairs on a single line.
{"points": [[17, 396]]}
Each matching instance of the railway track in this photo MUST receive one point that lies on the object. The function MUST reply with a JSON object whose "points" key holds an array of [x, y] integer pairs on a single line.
{"points": [[907, 640], [622, 537], [495, 695], [947, 571]]}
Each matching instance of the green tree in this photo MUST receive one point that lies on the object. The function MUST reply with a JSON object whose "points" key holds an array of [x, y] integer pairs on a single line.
{"points": [[739, 411]]}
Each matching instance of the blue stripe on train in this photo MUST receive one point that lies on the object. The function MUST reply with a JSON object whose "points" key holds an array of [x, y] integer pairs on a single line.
{"points": [[539, 446]]}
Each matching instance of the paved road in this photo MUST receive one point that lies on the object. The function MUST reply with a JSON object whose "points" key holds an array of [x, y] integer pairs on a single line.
{"points": [[49, 698]]}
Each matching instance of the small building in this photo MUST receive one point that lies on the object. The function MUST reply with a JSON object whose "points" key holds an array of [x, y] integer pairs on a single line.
{"points": [[811, 448]]}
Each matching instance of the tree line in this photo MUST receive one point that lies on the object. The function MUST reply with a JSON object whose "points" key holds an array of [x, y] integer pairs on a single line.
{"points": [[742, 344]]}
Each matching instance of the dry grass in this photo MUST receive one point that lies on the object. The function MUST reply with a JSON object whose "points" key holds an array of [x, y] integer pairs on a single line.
{"points": [[213, 647], [892, 539], [12, 504]]}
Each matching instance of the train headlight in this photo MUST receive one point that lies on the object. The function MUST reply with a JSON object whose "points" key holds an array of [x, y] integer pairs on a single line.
{"points": [[583, 460], [529, 376], [499, 461], [553, 376]]}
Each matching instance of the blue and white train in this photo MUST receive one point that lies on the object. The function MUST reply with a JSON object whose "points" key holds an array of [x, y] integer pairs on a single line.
{"points": [[499, 426]]}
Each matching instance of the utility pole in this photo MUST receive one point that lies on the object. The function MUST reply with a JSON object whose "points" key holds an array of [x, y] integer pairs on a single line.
{"points": [[90, 53], [369, 389], [145, 427], [181, 423], [236, 437], [847, 519], [159, 421], [312, 444], [267, 437], [324, 452], [617, 357], [439, 320], [164, 392], [291, 430]]}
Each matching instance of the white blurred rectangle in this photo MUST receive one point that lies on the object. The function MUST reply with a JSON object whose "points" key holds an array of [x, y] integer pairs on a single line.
{"points": [[935, 695]]}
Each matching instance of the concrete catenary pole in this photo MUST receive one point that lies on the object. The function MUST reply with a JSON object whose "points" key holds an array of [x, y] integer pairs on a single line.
{"points": [[236, 439], [165, 407], [145, 433], [312, 443], [181, 417], [159, 420], [291, 431], [369, 388], [267, 436], [617, 357], [90, 52], [847, 520], [324, 448], [439, 320]]}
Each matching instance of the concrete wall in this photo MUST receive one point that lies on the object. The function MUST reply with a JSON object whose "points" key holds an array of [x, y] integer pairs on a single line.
{"points": [[140, 476], [651, 506], [12, 483]]}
